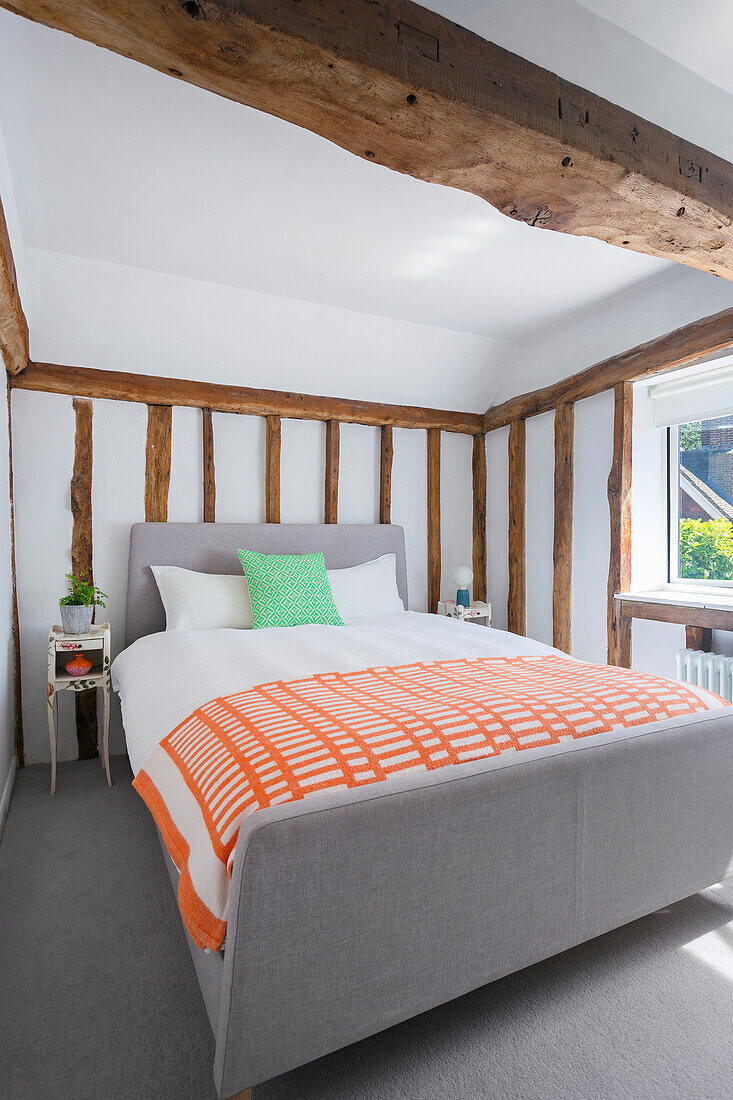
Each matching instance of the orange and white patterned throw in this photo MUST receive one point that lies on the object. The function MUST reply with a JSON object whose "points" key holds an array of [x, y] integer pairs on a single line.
{"points": [[281, 742]]}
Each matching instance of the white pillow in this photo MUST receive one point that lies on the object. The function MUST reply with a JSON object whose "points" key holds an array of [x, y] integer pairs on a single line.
{"points": [[363, 591], [202, 601]]}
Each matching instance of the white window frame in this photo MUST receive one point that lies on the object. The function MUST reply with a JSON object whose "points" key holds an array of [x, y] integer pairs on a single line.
{"points": [[674, 580]]}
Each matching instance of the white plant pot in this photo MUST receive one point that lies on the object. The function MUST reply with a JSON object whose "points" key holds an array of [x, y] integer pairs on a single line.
{"points": [[76, 618]]}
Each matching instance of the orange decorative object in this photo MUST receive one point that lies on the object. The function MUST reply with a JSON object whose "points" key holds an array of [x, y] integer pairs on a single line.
{"points": [[78, 666]]}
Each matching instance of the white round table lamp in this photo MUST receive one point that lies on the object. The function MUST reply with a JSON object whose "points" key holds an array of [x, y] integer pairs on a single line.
{"points": [[463, 577]]}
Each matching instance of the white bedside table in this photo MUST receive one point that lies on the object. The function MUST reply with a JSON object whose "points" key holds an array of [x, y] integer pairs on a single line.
{"points": [[477, 613], [95, 646]]}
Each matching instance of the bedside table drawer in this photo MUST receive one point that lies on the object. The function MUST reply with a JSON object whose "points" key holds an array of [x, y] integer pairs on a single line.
{"points": [[83, 642]]}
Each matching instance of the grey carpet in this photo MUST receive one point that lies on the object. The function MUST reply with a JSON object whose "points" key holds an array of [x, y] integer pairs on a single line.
{"points": [[98, 997]]}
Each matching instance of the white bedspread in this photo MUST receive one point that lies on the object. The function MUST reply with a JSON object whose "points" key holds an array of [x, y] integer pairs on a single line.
{"points": [[163, 677]]}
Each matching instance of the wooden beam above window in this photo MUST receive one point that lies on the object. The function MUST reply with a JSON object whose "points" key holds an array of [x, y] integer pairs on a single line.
{"points": [[401, 86], [669, 352]]}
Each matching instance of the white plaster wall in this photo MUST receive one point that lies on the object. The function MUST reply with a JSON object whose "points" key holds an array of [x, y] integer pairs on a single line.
{"points": [[591, 535], [410, 508], [239, 444], [658, 306], [359, 474], [104, 315], [591, 525], [497, 524], [456, 508], [142, 321], [621, 321], [43, 453], [7, 723], [540, 484]]}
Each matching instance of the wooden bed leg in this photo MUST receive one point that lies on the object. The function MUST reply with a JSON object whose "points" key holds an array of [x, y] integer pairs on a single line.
{"points": [[245, 1094]]}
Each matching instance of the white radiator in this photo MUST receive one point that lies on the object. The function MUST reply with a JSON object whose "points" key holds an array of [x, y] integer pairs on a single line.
{"points": [[708, 670]]}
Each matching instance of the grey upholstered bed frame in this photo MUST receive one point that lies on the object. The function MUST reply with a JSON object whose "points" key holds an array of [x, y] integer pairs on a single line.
{"points": [[356, 910]]}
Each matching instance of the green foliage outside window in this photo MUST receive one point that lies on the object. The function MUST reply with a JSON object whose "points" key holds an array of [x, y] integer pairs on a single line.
{"points": [[691, 436], [706, 549]]}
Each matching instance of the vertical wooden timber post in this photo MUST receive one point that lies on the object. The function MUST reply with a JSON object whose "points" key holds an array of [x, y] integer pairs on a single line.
{"points": [[433, 519], [207, 441], [517, 601], [386, 454], [562, 582], [619, 503], [331, 507], [15, 627], [158, 463], [85, 702], [699, 637], [479, 517], [272, 469]]}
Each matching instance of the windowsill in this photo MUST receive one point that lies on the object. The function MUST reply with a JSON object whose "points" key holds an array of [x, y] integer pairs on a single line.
{"points": [[719, 599]]}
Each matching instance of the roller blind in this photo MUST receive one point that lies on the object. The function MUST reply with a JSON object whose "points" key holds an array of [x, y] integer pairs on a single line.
{"points": [[697, 397]]}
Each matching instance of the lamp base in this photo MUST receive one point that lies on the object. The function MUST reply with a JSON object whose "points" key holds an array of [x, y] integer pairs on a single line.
{"points": [[462, 598]]}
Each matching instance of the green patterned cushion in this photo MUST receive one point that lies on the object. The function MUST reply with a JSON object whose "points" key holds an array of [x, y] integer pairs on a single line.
{"points": [[288, 589]]}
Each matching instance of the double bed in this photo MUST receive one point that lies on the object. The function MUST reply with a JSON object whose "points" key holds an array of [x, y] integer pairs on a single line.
{"points": [[354, 909]]}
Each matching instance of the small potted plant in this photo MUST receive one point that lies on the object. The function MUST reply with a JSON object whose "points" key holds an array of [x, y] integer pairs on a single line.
{"points": [[77, 606]]}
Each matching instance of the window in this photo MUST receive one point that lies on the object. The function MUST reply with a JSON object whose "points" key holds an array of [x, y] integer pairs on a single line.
{"points": [[701, 502]]}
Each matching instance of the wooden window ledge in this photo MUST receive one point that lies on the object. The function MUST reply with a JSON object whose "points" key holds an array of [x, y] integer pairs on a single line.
{"points": [[711, 610]]}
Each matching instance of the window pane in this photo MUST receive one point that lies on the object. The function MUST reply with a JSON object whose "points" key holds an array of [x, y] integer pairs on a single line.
{"points": [[706, 499]]}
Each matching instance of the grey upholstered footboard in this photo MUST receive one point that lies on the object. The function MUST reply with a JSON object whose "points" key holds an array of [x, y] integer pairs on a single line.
{"points": [[352, 911], [208, 965]]}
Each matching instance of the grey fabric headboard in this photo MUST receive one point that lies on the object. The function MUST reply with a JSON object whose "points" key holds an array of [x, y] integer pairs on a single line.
{"points": [[212, 548]]}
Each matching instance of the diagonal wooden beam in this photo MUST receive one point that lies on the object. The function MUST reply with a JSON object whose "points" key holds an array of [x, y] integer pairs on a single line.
{"points": [[13, 325], [671, 351], [404, 87]]}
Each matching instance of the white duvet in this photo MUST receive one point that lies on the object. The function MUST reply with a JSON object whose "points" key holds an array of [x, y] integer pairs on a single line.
{"points": [[163, 677]]}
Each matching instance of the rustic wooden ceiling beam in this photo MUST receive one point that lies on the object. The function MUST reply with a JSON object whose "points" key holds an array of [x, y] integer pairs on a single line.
{"points": [[152, 390], [664, 353], [404, 87], [13, 325]]}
